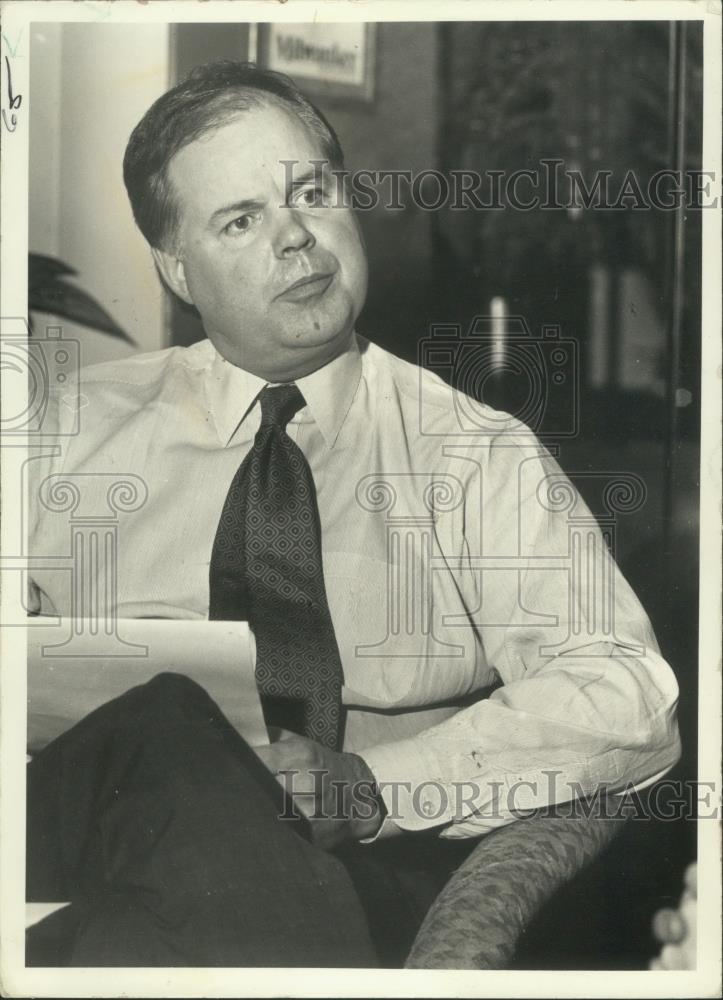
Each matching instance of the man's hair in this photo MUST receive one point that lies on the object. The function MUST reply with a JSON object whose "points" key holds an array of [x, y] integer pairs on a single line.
{"points": [[206, 99]]}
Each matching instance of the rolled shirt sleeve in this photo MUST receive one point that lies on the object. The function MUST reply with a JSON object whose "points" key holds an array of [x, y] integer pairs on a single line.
{"points": [[587, 702], [523, 747]]}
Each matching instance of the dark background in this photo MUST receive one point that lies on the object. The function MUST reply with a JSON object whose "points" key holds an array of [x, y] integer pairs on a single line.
{"points": [[597, 95]]}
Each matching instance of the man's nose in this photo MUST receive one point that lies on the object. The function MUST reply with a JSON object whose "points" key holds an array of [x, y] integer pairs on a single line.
{"points": [[293, 235]]}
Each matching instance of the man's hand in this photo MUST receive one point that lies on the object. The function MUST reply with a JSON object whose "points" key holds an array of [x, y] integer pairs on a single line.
{"points": [[335, 791]]}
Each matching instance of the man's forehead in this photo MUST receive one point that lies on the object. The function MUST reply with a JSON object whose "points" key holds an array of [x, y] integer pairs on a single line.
{"points": [[254, 143]]}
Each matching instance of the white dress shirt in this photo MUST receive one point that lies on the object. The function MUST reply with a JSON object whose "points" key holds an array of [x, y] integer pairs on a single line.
{"points": [[455, 557]]}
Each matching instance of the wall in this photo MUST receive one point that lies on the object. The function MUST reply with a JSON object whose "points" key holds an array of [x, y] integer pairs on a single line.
{"points": [[397, 132], [89, 85]]}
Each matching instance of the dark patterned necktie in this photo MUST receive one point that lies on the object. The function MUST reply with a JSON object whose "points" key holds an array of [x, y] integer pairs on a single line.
{"points": [[266, 569]]}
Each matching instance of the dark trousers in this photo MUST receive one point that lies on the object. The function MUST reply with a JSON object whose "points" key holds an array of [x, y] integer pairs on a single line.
{"points": [[161, 826]]}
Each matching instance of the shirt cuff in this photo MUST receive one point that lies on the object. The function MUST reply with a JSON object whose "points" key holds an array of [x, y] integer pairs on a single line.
{"points": [[413, 798]]}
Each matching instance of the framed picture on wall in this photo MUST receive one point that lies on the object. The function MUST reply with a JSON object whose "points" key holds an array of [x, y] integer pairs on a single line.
{"points": [[329, 60]]}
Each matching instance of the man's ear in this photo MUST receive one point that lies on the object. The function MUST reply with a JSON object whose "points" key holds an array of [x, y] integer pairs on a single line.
{"points": [[173, 272]]}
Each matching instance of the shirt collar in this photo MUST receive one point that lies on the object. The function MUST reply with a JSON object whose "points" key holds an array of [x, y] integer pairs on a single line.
{"points": [[231, 392]]}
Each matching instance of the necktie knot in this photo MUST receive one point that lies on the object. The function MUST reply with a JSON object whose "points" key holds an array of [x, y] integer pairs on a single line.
{"points": [[279, 403]]}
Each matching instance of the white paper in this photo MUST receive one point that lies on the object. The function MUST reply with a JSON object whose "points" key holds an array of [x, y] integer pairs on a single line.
{"points": [[72, 672]]}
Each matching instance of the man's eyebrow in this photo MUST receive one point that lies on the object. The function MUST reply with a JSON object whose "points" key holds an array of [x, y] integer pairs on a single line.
{"points": [[308, 175], [237, 206], [250, 203]]}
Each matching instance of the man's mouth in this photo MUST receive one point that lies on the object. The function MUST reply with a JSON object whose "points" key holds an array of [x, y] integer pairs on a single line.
{"points": [[312, 286]]}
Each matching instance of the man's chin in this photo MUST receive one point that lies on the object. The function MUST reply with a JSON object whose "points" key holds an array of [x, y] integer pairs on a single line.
{"points": [[316, 337], [300, 350], [318, 345], [307, 351], [318, 329]]}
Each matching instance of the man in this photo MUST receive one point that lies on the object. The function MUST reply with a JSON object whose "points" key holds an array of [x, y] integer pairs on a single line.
{"points": [[393, 568]]}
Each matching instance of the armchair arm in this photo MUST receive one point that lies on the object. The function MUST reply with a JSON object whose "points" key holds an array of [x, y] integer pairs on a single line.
{"points": [[477, 919]]}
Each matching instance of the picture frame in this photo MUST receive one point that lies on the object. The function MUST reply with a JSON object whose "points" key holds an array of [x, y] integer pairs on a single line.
{"points": [[331, 61]]}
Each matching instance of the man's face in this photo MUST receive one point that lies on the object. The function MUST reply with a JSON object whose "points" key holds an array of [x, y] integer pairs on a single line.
{"points": [[276, 269]]}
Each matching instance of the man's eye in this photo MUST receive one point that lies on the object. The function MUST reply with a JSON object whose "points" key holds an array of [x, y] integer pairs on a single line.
{"points": [[312, 197], [240, 225]]}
